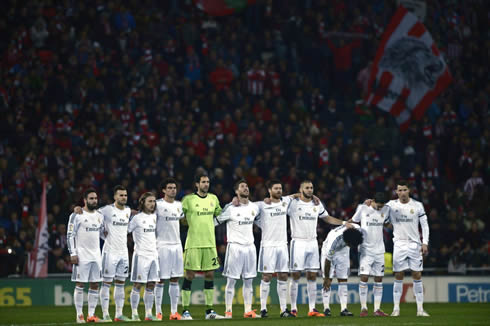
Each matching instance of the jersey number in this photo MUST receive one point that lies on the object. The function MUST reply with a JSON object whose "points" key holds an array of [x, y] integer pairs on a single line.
{"points": [[215, 261]]}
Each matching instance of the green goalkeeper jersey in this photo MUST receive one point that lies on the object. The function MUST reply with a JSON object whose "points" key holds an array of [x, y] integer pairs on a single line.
{"points": [[199, 213]]}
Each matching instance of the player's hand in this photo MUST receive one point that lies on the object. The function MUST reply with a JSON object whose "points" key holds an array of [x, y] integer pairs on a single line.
{"points": [[326, 283], [296, 195], [349, 225], [368, 202], [267, 201], [235, 201], [74, 260], [316, 200], [425, 250], [78, 210]]}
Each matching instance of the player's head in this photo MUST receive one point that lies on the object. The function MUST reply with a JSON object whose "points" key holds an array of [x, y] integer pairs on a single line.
{"points": [[306, 189], [402, 190], [169, 188], [120, 195], [352, 237], [241, 188], [275, 188], [379, 200], [202, 182], [90, 199], [147, 203]]}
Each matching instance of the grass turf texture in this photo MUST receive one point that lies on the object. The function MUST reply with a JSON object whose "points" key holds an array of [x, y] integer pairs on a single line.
{"points": [[441, 314]]}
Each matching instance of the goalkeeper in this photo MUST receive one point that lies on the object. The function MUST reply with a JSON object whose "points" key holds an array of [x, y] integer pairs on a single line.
{"points": [[200, 255]]}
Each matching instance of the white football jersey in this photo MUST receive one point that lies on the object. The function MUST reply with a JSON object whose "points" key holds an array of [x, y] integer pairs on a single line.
{"points": [[143, 227], [406, 219], [372, 221], [168, 222], [239, 222], [303, 217], [83, 235], [335, 241], [272, 220], [116, 225]]}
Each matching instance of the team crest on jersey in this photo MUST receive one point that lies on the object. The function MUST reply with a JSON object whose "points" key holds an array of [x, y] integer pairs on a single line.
{"points": [[253, 213], [211, 204], [197, 205], [154, 221], [144, 222], [86, 220], [70, 228], [382, 215], [314, 209], [178, 209], [139, 277], [127, 215], [238, 214], [411, 211], [283, 204]]}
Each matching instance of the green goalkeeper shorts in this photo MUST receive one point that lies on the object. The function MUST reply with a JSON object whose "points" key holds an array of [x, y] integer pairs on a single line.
{"points": [[201, 259]]}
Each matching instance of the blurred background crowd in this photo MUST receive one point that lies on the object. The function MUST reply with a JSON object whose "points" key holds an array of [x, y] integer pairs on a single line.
{"points": [[99, 93]]}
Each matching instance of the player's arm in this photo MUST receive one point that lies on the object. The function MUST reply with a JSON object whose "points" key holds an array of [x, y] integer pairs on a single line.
{"points": [[424, 224], [217, 209], [132, 224], [71, 233], [327, 281], [185, 210], [324, 215], [224, 216], [260, 213]]}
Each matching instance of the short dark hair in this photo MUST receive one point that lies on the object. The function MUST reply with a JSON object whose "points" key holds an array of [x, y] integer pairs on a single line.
{"points": [[141, 201], [402, 182], [237, 184], [305, 181], [166, 182], [117, 188], [273, 182], [380, 198], [87, 192], [352, 237], [198, 176]]}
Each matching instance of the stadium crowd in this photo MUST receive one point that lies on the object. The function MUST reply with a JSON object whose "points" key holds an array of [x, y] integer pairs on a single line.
{"points": [[96, 93]]}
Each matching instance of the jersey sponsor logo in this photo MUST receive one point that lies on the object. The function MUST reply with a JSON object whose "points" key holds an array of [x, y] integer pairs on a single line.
{"points": [[246, 222], [151, 228], [404, 219], [374, 223], [171, 218], [94, 228], [306, 217], [121, 222], [411, 211]]}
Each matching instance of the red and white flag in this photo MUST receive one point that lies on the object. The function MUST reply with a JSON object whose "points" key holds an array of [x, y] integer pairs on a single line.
{"points": [[408, 71], [38, 258]]}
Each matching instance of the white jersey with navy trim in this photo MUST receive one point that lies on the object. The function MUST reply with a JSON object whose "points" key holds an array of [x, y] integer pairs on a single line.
{"points": [[168, 222], [116, 225], [406, 219], [335, 241], [239, 222], [143, 227], [273, 222], [303, 217], [83, 235], [372, 222]]}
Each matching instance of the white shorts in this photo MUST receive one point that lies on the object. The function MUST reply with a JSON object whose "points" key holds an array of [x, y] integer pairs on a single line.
{"points": [[340, 264], [304, 255], [115, 265], [144, 269], [171, 261], [372, 265], [87, 271], [240, 261], [274, 259], [407, 256]]}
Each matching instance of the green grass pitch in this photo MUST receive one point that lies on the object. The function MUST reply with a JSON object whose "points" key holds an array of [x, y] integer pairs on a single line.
{"points": [[441, 314]]}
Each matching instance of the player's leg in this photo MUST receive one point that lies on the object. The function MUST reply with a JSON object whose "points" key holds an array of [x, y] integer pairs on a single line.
{"points": [[266, 269], [148, 298], [192, 263], [177, 271], [139, 274], [363, 292], [343, 296], [108, 273], [135, 300], [293, 291], [249, 272], [342, 271], [229, 294], [95, 277], [163, 262], [282, 269], [311, 288], [400, 264], [326, 293], [78, 300], [210, 262], [159, 286], [416, 266], [119, 293], [296, 262], [378, 271]]}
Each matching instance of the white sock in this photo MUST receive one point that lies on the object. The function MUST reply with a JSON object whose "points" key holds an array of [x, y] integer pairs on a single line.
{"points": [[282, 292], [104, 298], [418, 289], [248, 293], [174, 294], [93, 298], [378, 294], [293, 293], [343, 296], [363, 291], [119, 297], [229, 293], [135, 300], [148, 298], [158, 297], [311, 288], [397, 294], [78, 300], [326, 299], [264, 294]]}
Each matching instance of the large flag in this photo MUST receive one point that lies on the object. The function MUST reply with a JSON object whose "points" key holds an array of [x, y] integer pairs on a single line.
{"points": [[222, 7], [408, 71], [38, 259]]}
